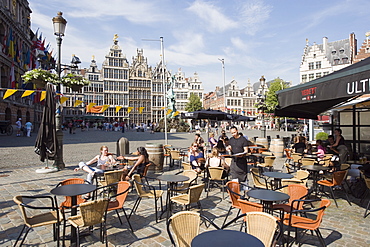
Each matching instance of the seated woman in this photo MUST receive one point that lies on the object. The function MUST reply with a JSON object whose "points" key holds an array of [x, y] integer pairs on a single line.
{"points": [[103, 161], [320, 149], [215, 160], [196, 157], [141, 161], [220, 146]]}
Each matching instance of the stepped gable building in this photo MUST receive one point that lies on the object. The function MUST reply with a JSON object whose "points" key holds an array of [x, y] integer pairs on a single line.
{"points": [[321, 59], [115, 76], [158, 93], [183, 87], [364, 51], [140, 87]]}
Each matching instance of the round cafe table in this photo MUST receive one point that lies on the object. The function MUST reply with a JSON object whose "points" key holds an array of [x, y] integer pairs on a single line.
{"points": [[315, 171], [268, 197], [73, 190], [277, 176], [221, 238]]}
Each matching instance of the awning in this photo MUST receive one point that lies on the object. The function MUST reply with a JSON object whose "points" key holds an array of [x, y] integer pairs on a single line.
{"points": [[312, 98]]}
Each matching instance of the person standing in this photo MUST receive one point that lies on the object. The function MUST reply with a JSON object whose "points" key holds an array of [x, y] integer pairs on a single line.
{"points": [[19, 126], [340, 146], [28, 126], [238, 167]]}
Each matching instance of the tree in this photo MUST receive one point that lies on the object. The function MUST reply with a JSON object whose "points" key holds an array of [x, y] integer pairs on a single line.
{"points": [[271, 97], [193, 104]]}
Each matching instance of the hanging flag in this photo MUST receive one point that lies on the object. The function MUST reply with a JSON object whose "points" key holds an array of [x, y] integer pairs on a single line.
{"points": [[27, 93], [141, 109], [129, 109], [9, 92], [176, 113], [43, 95], [168, 111], [105, 107], [90, 105], [163, 108], [12, 76], [77, 103], [118, 108], [63, 99]]}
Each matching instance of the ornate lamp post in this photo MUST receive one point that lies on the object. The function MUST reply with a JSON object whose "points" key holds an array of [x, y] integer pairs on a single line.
{"points": [[59, 24], [263, 105]]}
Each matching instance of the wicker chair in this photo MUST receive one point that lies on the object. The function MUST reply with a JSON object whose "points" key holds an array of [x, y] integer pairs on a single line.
{"points": [[233, 189], [175, 156], [258, 180], [301, 177], [268, 163], [297, 159], [111, 177], [67, 203], [338, 178], [167, 152], [307, 162], [293, 220], [120, 198], [215, 175], [146, 191], [185, 226], [191, 197], [192, 175], [186, 166], [367, 182], [91, 213], [52, 217]]}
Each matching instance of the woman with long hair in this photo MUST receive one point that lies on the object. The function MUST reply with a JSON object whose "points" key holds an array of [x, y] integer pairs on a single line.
{"points": [[141, 161], [215, 160]]}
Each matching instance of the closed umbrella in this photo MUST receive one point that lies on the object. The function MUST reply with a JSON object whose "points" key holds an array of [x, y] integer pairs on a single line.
{"points": [[46, 141]]}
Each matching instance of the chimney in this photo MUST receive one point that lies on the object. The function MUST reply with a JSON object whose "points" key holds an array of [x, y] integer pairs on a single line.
{"points": [[324, 44], [353, 46]]}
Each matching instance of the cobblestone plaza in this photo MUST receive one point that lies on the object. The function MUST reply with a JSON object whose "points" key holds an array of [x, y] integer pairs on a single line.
{"points": [[342, 226]]}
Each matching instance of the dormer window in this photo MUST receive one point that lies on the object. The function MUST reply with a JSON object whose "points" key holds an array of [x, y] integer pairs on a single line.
{"points": [[333, 52], [345, 60], [341, 51]]}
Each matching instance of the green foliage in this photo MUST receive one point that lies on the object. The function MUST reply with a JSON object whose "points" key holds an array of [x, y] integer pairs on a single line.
{"points": [[271, 97], [322, 136], [194, 103]]}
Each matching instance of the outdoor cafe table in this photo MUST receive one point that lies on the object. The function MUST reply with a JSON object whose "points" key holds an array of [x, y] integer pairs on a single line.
{"points": [[277, 176], [268, 197], [73, 190], [172, 181], [221, 238], [315, 171]]}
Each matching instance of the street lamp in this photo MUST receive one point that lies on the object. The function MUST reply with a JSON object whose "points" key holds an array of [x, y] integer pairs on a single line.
{"points": [[59, 24], [223, 73], [164, 87], [263, 105]]}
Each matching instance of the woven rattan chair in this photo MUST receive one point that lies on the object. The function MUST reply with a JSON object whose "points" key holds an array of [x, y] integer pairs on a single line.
{"points": [[337, 180], [215, 176], [111, 177], [167, 152], [295, 221], [175, 156], [233, 189], [120, 198], [144, 190], [268, 163], [301, 177], [185, 226], [191, 197], [52, 217], [307, 162], [192, 175], [186, 166], [258, 180], [91, 213], [297, 159], [367, 182], [67, 203]]}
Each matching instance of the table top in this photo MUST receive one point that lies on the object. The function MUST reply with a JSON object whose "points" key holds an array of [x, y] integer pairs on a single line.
{"points": [[268, 195], [223, 238], [313, 156], [73, 189], [315, 168], [129, 155], [173, 178], [279, 175]]}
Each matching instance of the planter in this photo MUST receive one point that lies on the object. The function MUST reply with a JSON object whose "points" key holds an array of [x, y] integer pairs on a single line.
{"points": [[76, 87], [39, 83]]}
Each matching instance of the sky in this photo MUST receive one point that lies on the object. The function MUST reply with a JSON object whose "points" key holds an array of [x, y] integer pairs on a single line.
{"points": [[254, 37]]}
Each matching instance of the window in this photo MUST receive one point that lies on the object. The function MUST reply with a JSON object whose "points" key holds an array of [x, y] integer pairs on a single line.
{"points": [[336, 61], [311, 77], [325, 73], [318, 75], [345, 60], [311, 66], [304, 78], [318, 65]]}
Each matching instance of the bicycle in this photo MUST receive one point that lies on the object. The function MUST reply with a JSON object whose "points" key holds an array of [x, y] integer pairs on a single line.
{"points": [[6, 127]]}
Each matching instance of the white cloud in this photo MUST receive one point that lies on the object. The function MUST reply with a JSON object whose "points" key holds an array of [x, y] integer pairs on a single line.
{"points": [[211, 15], [253, 15], [238, 43]]}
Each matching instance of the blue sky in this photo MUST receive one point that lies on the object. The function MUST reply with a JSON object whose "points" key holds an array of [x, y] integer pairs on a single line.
{"points": [[254, 37]]}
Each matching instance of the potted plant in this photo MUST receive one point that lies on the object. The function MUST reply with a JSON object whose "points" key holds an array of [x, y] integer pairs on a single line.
{"points": [[40, 77], [75, 82]]}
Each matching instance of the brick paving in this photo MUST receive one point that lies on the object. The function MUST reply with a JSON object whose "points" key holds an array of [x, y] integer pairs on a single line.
{"points": [[342, 226]]}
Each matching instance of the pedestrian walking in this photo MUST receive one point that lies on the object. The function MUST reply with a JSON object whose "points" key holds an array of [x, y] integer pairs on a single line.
{"points": [[19, 126], [28, 126]]}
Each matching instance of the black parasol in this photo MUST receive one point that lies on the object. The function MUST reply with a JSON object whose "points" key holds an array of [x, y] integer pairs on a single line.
{"points": [[46, 141], [207, 114]]}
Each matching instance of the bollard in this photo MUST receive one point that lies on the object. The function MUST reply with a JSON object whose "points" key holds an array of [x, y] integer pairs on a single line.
{"points": [[123, 146]]}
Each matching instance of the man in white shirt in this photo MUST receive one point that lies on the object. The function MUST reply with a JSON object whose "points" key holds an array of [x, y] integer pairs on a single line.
{"points": [[28, 126], [19, 126]]}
